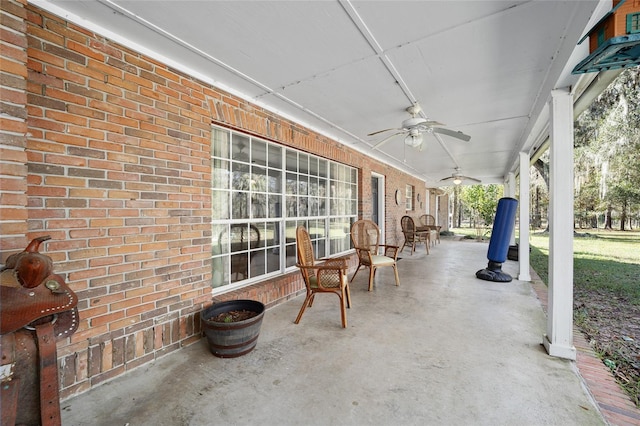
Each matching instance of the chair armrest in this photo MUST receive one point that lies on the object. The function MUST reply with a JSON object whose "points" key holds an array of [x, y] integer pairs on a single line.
{"points": [[391, 251]]}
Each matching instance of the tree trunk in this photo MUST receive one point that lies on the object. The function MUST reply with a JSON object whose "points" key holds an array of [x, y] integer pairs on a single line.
{"points": [[456, 207], [607, 218]]}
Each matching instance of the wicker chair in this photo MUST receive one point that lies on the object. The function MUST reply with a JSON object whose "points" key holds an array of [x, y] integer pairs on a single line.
{"points": [[412, 236], [365, 236], [329, 276], [427, 221]]}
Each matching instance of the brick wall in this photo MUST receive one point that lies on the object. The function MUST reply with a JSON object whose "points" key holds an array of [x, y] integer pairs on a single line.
{"points": [[13, 127], [116, 169]]}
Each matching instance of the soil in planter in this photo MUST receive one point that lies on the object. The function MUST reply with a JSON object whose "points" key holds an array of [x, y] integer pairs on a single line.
{"points": [[233, 316]]}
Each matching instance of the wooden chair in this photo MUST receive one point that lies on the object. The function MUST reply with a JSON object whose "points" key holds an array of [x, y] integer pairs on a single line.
{"points": [[365, 236], [329, 276], [412, 236], [427, 221]]}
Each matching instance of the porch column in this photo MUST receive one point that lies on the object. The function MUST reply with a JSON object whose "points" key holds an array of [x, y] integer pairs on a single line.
{"points": [[523, 242], [559, 338], [510, 191]]}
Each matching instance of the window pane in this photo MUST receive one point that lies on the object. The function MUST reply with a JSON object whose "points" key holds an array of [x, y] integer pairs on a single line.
{"points": [[313, 186], [220, 143], [322, 168], [313, 165], [258, 152], [258, 179], [322, 207], [292, 206], [241, 176], [275, 156], [220, 174], [219, 205], [220, 271], [339, 238], [322, 187], [271, 237], [292, 183], [303, 163], [240, 205], [292, 161], [257, 263], [259, 206], [313, 206], [290, 234], [303, 185], [275, 181], [219, 239], [240, 147], [303, 206], [275, 206]]}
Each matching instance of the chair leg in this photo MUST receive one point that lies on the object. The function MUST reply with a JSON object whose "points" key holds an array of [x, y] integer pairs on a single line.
{"points": [[347, 292], [395, 269], [372, 273], [307, 301], [427, 243], [354, 274], [343, 310]]}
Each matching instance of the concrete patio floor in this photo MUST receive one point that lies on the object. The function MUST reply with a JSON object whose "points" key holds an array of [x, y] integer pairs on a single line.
{"points": [[443, 348]]}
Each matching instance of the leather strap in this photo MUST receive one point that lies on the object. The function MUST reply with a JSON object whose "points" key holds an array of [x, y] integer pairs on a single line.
{"points": [[49, 394], [9, 385]]}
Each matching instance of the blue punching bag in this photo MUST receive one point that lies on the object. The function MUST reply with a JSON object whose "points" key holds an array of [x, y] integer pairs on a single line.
{"points": [[499, 243]]}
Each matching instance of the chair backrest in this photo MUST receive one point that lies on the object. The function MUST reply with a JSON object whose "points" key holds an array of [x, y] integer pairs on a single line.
{"points": [[365, 236], [408, 228], [408, 225], [304, 247], [427, 220]]}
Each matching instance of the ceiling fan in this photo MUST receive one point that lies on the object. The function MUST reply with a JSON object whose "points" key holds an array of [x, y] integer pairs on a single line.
{"points": [[457, 178], [413, 128]]}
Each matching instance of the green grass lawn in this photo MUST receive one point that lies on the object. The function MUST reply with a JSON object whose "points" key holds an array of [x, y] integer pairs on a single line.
{"points": [[603, 260]]}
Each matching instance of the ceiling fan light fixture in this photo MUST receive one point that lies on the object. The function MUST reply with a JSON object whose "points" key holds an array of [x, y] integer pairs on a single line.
{"points": [[413, 140], [457, 181]]}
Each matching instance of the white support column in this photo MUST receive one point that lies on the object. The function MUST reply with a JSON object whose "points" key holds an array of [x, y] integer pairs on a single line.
{"points": [[510, 191], [559, 338], [523, 241]]}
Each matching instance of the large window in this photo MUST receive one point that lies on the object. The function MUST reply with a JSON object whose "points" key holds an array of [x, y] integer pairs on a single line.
{"points": [[261, 192]]}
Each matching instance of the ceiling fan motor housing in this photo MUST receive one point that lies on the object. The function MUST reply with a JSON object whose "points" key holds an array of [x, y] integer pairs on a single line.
{"points": [[413, 122]]}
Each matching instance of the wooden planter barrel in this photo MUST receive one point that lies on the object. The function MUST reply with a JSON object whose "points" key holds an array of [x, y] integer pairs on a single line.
{"points": [[233, 339]]}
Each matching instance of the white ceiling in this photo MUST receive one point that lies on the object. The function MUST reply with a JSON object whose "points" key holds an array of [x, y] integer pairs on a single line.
{"points": [[349, 68]]}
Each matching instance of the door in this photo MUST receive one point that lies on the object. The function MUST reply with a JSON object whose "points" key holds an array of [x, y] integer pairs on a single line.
{"points": [[377, 203]]}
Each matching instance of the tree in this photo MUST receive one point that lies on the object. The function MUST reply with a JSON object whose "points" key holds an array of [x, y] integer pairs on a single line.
{"points": [[607, 152], [482, 200]]}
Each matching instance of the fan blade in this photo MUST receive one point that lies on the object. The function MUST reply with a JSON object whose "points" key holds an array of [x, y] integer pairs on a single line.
{"points": [[447, 178], [386, 139], [431, 123], [382, 131], [471, 179], [452, 133]]}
